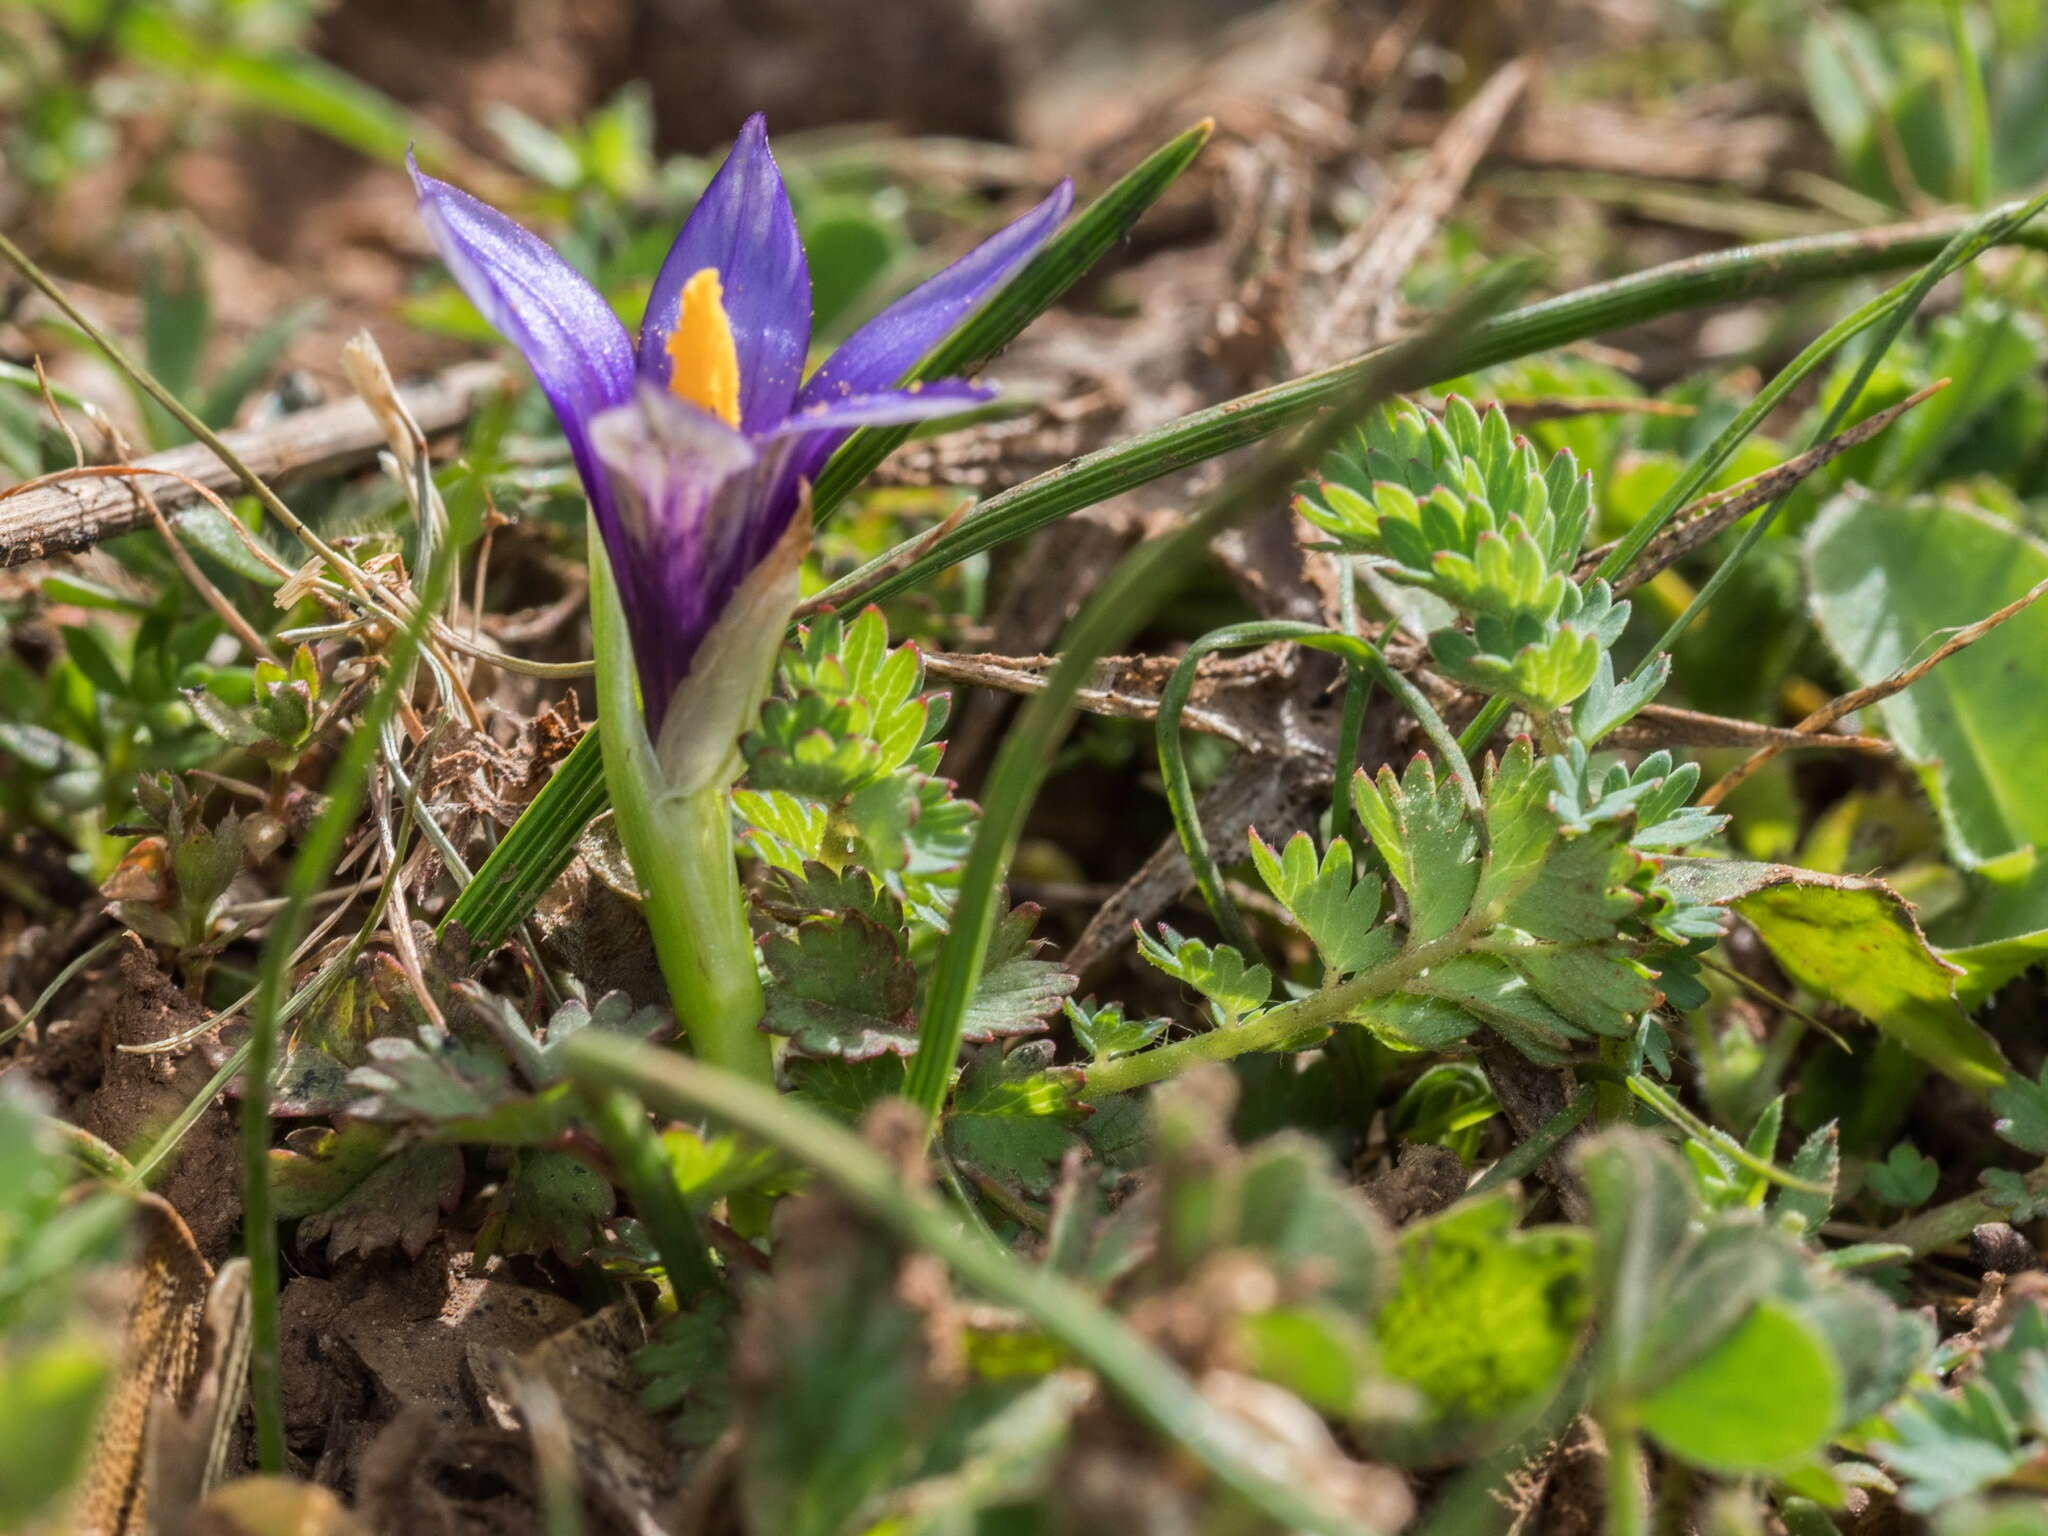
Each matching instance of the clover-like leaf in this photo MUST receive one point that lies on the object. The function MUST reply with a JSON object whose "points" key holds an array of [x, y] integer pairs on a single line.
{"points": [[1905, 1177]]}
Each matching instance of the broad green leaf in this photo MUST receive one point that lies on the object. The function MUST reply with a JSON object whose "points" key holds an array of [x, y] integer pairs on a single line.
{"points": [[1853, 942], [398, 1203], [842, 987], [47, 1415], [1530, 1287], [1767, 1394], [1890, 579]]}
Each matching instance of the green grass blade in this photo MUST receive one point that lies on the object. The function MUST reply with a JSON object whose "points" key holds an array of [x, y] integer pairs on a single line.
{"points": [[536, 850], [1537, 327], [1048, 275], [1146, 1379], [1968, 243]]}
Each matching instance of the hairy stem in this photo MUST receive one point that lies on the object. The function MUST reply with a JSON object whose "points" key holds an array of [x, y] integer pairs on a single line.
{"points": [[1279, 1025]]}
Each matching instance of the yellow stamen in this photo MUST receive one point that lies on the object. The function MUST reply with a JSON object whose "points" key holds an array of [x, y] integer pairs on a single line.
{"points": [[704, 366]]}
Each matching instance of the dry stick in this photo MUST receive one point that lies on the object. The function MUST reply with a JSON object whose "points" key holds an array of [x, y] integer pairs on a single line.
{"points": [[187, 567], [322, 440], [1863, 698], [1708, 516]]}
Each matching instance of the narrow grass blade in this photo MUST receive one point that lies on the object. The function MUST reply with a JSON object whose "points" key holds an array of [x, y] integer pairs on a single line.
{"points": [[1149, 1382], [536, 850], [1036, 289]]}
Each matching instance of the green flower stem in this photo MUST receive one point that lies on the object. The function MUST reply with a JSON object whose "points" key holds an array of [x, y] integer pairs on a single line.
{"points": [[1266, 1031], [680, 845]]}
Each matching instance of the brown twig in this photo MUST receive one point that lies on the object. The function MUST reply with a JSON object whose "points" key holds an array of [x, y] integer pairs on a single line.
{"points": [[48, 516], [1884, 688], [1696, 524]]}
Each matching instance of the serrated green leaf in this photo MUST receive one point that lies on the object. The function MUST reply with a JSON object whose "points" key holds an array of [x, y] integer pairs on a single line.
{"points": [[1338, 915], [1017, 992], [1012, 1116], [398, 1203], [842, 987], [1421, 828], [1905, 1177], [549, 1203], [1218, 972]]}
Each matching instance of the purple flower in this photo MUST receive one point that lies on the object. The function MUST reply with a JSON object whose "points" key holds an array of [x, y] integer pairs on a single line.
{"points": [[696, 447]]}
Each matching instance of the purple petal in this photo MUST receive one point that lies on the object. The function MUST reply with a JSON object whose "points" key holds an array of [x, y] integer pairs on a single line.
{"points": [[538, 302], [743, 227], [886, 407], [814, 432], [881, 352], [689, 497]]}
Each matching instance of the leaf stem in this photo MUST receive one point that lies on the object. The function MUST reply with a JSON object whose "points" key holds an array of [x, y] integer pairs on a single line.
{"points": [[1276, 1026]]}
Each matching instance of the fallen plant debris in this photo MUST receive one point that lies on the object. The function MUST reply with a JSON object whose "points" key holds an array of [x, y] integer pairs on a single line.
{"points": [[1332, 829]]}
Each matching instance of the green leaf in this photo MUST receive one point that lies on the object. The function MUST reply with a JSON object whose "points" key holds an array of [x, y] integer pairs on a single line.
{"points": [[842, 987], [1012, 1116], [88, 650], [1338, 914], [317, 1167], [1767, 1394], [549, 1203], [1421, 827], [1104, 1033], [47, 1418], [1218, 972], [1905, 1177], [842, 1088], [1889, 580], [399, 1203], [1853, 942], [1017, 992], [1532, 1289], [2022, 1106]]}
